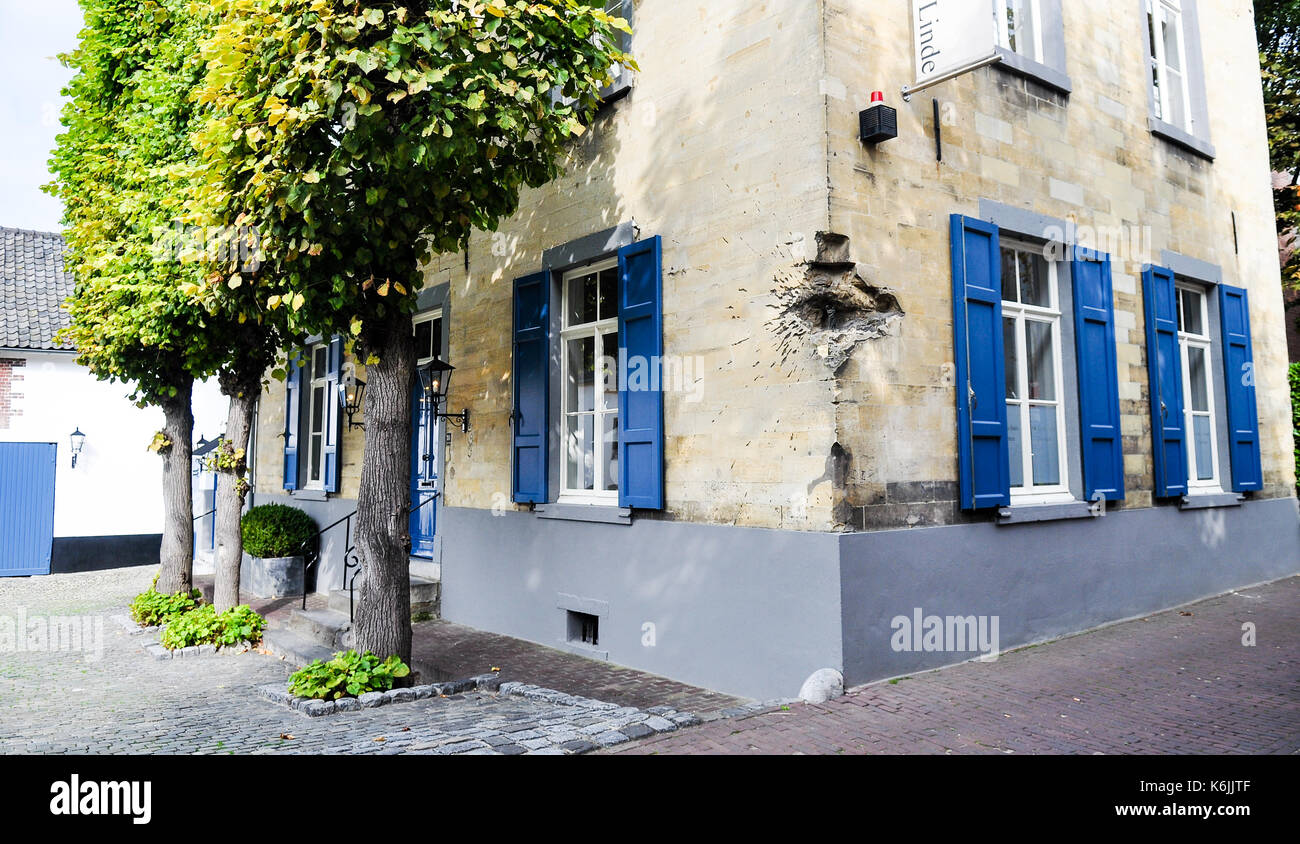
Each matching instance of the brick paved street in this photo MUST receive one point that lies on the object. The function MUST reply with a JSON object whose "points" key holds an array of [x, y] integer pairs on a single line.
{"points": [[1176, 682], [117, 699]]}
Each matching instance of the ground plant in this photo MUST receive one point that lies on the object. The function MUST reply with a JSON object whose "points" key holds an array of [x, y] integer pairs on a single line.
{"points": [[348, 674], [151, 608], [203, 625]]}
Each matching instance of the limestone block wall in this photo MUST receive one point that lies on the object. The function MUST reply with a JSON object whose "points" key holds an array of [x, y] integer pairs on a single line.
{"points": [[720, 149], [1088, 158]]}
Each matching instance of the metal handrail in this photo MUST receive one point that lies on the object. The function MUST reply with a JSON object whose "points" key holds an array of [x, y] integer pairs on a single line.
{"points": [[351, 559]]}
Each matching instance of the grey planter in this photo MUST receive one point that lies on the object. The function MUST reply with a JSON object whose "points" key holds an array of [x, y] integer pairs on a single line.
{"points": [[271, 577]]}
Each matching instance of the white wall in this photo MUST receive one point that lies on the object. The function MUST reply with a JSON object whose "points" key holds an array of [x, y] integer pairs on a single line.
{"points": [[116, 487]]}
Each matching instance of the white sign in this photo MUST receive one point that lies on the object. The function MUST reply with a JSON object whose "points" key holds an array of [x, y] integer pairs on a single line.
{"points": [[950, 36]]}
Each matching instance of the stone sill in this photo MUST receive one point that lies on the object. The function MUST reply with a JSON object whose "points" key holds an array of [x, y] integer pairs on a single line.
{"points": [[585, 513], [1180, 138], [1210, 500], [1026, 513], [1035, 71]]}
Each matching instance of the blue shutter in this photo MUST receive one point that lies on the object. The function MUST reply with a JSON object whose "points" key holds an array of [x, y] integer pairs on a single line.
{"points": [[531, 377], [1165, 373], [1094, 333], [292, 397], [333, 433], [640, 393], [981, 383], [1239, 378]]}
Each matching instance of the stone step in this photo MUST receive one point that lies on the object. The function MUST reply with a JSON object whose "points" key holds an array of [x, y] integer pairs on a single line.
{"points": [[426, 597], [296, 648], [425, 569], [326, 627]]}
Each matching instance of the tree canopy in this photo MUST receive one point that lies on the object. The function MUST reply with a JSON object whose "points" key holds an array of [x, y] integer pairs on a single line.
{"points": [[361, 138], [123, 170], [1277, 28]]}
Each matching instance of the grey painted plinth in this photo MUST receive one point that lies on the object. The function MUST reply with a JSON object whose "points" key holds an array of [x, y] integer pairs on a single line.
{"points": [[271, 577], [755, 612]]}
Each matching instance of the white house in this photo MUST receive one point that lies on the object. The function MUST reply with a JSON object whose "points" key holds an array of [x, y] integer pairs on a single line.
{"points": [[60, 511]]}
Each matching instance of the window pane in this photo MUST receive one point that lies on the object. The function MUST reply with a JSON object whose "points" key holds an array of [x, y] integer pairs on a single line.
{"points": [[1176, 113], [1015, 446], [1034, 279], [318, 365], [580, 460], [582, 299], [1169, 27], [581, 389], [315, 457], [1204, 454], [1010, 279], [1197, 377], [609, 444], [1012, 357], [1043, 440], [1040, 352], [424, 340], [609, 293], [1191, 311], [609, 374], [1023, 23], [317, 410]]}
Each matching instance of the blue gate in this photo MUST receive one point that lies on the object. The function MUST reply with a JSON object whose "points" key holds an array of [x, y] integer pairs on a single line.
{"points": [[26, 507]]}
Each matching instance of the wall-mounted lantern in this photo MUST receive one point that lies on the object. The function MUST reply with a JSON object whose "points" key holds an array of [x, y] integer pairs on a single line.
{"points": [[435, 378], [352, 391], [78, 443]]}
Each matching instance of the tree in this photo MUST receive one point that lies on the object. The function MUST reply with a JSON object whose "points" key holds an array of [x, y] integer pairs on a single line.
{"points": [[1277, 28], [362, 138], [115, 170], [126, 172]]}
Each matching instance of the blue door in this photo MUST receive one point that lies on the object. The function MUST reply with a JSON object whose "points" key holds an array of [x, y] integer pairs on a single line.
{"points": [[424, 474], [26, 508]]}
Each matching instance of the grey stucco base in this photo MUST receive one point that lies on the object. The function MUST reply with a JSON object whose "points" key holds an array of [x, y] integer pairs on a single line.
{"points": [[754, 612], [739, 610], [1049, 579]]}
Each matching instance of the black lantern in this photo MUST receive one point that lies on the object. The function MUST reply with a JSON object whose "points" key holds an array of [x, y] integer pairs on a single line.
{"points": [[78, 443], [435, 378], [352, 391]]}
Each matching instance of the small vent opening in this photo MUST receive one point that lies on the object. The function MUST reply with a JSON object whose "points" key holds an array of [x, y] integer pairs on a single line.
{"points": [[584, 628]]}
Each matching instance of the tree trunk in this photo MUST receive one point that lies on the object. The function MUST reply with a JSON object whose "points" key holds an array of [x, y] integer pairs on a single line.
{"points": [[176, 572], [383, 617], [232, 488]]}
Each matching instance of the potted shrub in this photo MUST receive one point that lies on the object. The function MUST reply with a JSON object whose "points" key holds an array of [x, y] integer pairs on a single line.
{"points": [[275, 539]]}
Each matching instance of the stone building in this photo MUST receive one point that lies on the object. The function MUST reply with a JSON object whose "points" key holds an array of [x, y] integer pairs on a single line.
{"points": [[900, 384]]}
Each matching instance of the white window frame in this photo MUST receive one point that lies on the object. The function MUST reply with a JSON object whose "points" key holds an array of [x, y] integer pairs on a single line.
{"points": [[1186, 342], [319, 379], [1029, 7], [1022, 313], [598, 330], [436, 430], [1159, 61], [437, 341]]}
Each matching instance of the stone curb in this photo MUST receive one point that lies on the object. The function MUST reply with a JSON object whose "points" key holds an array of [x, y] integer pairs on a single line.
{"points": [[373, 700], [129, 625], [158, 652]]}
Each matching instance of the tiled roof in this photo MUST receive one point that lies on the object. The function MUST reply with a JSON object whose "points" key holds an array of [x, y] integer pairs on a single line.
{"points": [[33, 283]]}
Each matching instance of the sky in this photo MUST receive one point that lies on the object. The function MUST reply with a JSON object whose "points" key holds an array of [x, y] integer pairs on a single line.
{"points": [[32, 34]]}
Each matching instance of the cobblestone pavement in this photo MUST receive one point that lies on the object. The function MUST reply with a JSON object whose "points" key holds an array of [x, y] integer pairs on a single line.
{"points": [[1176, 682], [443, 650], [109, 696]]}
